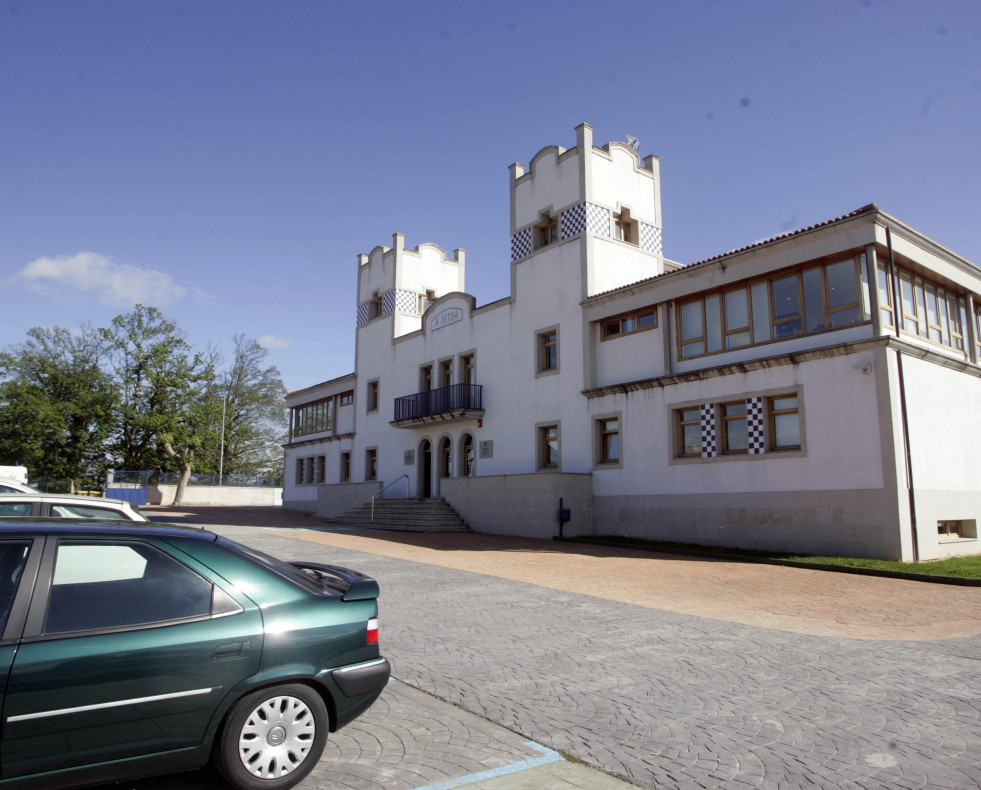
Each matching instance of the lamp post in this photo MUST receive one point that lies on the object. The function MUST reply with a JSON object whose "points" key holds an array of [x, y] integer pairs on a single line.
{"points": [[221, 455]]}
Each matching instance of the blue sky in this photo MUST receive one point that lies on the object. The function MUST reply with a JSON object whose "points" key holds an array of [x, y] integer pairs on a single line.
{"points": [[227, 161]]}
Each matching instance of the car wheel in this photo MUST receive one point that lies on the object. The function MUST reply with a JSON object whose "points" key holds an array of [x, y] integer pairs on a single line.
{"points": [[272, 738]]}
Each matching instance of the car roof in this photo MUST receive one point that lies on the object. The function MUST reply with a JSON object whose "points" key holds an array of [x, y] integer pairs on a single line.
{"points": [[14, 481], [110, 529], [78, 499]]}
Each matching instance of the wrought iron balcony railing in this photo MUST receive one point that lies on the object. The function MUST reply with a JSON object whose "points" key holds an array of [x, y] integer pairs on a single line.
{"points": [[452, 403]]}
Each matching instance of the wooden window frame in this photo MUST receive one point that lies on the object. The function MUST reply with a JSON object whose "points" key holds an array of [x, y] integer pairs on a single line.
{"points": [[775, 333], [680, 424], [445, 372], [313, 417], [346, 398], [372, 399], [546, 433], [468, 368], [603, 434], [624, 228], [887, 295], [542, 350], [546, 231], [771, 423], [951, 313], [426, 377], [723, 422], [618, 320]]}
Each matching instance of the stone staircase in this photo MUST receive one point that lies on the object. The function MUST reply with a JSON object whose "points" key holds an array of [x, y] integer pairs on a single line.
{"points": [[406, 515]]}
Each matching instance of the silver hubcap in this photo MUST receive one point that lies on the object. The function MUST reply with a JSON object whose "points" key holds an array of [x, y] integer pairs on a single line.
{"points": [[276, 737]]}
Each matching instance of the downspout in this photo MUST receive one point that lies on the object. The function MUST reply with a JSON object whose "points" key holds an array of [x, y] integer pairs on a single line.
{"points": [[897, 296]]}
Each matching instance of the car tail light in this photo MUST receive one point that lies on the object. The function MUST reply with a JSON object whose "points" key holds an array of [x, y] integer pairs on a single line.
{"points": [[372, 637]]}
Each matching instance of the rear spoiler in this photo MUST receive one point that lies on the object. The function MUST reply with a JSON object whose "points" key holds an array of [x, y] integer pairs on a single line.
{"points": [[353, 585]]}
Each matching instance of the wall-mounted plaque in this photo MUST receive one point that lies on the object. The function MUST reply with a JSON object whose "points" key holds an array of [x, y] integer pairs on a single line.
{"points": [[446, 317]]}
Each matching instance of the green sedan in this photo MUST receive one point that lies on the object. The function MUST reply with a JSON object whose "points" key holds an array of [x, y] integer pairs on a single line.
{"points": [[136, 649]]}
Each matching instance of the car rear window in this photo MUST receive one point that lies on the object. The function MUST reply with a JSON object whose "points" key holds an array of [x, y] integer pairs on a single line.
{"points": [[305, 580]]}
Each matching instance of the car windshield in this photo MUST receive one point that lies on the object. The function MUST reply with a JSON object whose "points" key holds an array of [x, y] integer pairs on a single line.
{"points": [[306, 580]]}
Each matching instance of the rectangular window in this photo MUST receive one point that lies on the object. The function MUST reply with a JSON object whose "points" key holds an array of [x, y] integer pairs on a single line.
{"points": [[446, 373], [547, 231], [887, 310], [812, 299], [425, 300], [624, 228], [629, 323], [372, 400], [548, 350], [548, 446], [371, 464], [469, 365], [347, 398], [928, 310], [319, 468], [609, 440], [689, 432], [775, 427], [345, 467], [735, 437], [313, 417], [784, 423], [426, 378]]}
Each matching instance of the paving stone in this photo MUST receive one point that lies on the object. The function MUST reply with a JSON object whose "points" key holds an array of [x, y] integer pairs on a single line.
{"points": [[661, 698]]}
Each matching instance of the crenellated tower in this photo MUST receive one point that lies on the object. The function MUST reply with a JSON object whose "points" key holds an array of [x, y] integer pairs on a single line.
{"points": [[403, 283], [609, 198]]}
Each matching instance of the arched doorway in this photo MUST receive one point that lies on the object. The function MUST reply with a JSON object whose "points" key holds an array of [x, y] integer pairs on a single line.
{"points": [[425, 469], [468, 456]]}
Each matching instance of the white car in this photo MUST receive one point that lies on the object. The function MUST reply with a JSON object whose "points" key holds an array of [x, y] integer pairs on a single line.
{"points": [[10, 486], [39, 505]]}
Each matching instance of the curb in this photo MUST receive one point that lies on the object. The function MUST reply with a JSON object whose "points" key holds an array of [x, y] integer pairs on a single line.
{"points": [[814, 566]]}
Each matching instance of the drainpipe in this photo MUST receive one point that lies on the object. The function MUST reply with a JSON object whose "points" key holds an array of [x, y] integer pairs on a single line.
{"points": [[897, 317]]}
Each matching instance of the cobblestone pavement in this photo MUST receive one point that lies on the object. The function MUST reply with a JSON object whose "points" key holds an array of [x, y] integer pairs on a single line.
{"points": [[667, 699]]}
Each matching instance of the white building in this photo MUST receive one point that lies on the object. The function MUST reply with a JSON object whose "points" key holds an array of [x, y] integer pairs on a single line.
{"points": [[817, 392]]}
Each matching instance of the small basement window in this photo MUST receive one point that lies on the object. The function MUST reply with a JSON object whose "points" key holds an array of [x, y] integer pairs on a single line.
{"points": [[964, 529]]}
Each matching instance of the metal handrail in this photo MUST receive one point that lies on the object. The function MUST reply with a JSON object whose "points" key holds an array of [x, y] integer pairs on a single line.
{"points": [[382, 490]]}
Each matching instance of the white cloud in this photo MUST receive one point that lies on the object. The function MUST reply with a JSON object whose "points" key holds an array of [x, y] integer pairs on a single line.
{"points": [[109, 282], [274, 341]]}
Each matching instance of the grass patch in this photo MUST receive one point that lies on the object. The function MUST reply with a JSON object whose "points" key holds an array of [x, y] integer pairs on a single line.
{"points": [[961, 567]]}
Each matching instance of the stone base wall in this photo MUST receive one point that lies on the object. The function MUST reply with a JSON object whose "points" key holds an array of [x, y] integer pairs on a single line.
{"points": [[842, 523], [522, 505]]}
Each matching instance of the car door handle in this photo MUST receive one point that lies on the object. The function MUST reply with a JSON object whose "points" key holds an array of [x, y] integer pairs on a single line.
{"points": [[231, 650]]}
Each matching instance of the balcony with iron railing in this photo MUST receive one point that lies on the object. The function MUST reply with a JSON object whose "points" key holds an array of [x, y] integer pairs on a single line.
{"points": [[455, 403]]}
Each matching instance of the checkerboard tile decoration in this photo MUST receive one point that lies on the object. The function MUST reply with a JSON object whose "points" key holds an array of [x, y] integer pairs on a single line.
{"points": [[650, 238], [754, 425], [521, 244], [406, 302], [710, 441], [388, 302], [362, 314], [573, 221], [598, 220]]}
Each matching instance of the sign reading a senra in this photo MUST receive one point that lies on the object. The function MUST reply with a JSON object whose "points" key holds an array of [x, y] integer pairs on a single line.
{"points": [[449, 316]]}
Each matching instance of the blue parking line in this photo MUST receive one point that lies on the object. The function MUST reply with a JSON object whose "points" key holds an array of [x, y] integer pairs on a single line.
{"points": [[548, 756]]}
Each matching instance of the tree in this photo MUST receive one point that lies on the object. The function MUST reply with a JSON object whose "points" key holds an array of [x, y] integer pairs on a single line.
{"points": [[160, 421], [255, 412], [56, 404]]}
